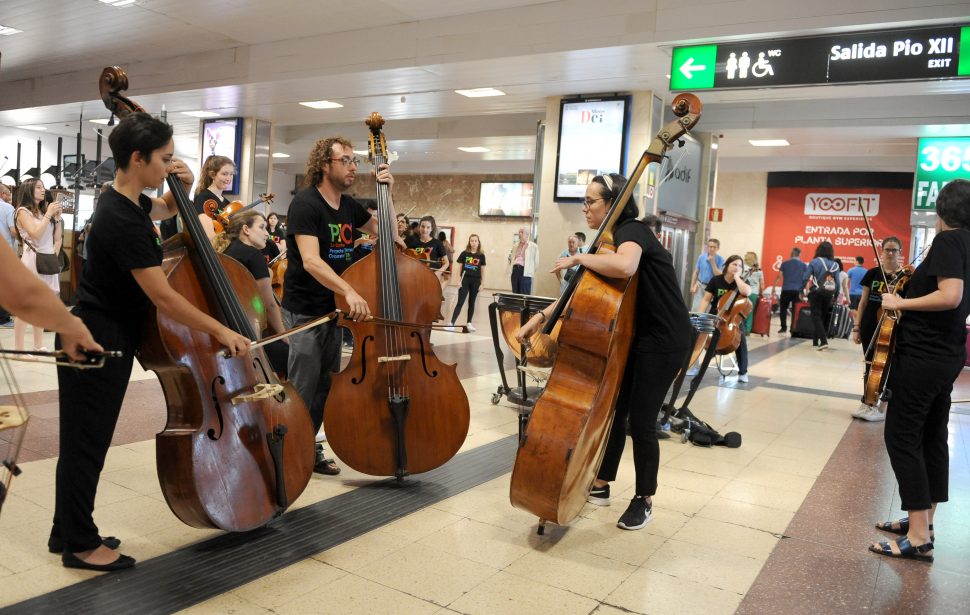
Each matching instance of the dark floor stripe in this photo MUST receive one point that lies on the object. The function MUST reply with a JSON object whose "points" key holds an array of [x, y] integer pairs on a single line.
{"points": [[196, 573], [810, 391]]}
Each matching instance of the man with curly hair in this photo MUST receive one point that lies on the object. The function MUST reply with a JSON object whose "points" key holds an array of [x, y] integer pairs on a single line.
{"points": [[320, 243]]}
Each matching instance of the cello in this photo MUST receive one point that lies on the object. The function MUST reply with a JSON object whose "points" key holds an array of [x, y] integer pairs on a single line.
{"points": [[884, 341], [238, 445], [564, 442], [732, 310], [395, 409]]}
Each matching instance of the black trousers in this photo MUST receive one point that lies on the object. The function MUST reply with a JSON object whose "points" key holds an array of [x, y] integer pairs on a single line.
{"points": [[647, 379], [787, 302], [916, 427], [469, 288], [821, 304], [90, 401], [520, 284]]}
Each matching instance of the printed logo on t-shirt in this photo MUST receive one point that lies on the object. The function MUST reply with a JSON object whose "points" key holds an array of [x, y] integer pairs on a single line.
{"points": [[876, 289], [472, 263], [341, 242]]}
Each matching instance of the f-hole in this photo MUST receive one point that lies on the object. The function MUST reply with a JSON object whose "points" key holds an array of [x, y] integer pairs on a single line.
{"points": [[216, 382], [363, 359], [424, 356]]}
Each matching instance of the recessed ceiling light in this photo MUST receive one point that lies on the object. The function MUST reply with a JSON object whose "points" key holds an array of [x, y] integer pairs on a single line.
{"points": [[280, 155], [103, 121], [768, 142], [7, 30], [200, 113], [474, 150], [714, 145], [321, 104], [480, 92], [32, 127]]}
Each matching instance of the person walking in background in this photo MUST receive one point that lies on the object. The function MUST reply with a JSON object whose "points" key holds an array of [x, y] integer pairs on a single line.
{"points": [[9, 234], [823, 273], [855, 281], [792, 273], [565, 275], [709, 264], [843, 296], [523, 257], [471, 263], [756, 280]]}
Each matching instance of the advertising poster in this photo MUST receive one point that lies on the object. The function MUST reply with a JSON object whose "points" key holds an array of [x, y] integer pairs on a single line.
{"points": [[591, 142], [805, 217]]}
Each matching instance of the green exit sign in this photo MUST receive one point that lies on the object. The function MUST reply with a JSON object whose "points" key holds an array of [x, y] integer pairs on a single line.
{"points": [[692, 68], [938, 161]]}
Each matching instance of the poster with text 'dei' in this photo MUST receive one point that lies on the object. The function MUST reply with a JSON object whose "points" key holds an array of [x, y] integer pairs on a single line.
{"points": [[592, 141]]}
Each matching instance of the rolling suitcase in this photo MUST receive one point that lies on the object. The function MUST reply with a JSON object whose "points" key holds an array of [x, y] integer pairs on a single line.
{"points": [[802, 325], [840, 324], [761, 325]]}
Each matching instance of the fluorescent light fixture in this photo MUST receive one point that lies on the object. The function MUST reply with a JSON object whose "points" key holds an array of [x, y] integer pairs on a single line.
{"points": [[768, 142], [480, 92], [7, 30], [280, 155], [103, 121], [362, 152], [118, 3], [202, 114], [32, 127], [475, 150], [321, 104]]}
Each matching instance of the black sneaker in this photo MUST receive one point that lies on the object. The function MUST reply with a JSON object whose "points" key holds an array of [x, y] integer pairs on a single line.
{"points": [[783, 330], [637, 514], [599, 495]]}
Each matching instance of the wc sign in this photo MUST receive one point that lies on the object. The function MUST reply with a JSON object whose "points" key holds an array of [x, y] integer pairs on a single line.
{"points": [[925, 53]]}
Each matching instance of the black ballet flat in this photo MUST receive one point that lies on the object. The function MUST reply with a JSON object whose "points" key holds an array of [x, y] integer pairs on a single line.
{"points": [[72, 561], [56, 545]]}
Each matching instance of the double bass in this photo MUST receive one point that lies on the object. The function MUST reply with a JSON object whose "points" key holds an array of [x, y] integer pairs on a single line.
{"points": [[238, 446], [563, 444], [732, 310], [395, 409]]}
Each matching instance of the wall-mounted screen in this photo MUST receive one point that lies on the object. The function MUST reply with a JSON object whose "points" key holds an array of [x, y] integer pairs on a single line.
{"points": [[592, 141], [509, 199], [223, 137]]}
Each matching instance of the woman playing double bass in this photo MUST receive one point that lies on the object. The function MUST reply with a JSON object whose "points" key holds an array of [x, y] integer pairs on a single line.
{"points": [[719, 286], [122, 278], [660, 345], [929, 354]]}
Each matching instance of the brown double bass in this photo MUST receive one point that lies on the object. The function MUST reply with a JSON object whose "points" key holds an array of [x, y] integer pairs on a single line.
{"points": [[563, 445], [732, 310], [395, 409], [238, 446]]}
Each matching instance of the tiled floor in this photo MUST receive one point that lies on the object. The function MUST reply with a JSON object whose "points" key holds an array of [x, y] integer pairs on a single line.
{"points": [[720, 514]]}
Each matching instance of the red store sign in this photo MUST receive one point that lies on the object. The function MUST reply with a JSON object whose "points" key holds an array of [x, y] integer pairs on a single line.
{"points": [[805, 217]]}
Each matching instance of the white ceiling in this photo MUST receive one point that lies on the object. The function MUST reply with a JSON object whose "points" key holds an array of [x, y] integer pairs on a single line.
{"points": [[404, 58]]}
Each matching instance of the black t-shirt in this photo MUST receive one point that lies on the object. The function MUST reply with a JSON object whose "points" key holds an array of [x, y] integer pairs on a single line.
{"points": [[663, 323], [938, 334], [431, 250], [250, 257], [122, 238], [718, 287], [311, 215], [206, 195], [873, 280], [471, 264]]}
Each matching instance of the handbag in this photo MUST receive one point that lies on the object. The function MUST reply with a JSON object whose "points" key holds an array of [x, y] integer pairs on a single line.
{"points": [[47, 264]]}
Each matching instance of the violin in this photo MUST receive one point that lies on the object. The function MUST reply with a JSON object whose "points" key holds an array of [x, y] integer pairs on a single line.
{"points": [[563, 444], [238, 446], [221, 217], [884, 341], [396, 409], [732, 309]]}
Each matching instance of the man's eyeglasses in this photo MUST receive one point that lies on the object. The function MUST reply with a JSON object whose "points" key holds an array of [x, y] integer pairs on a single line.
{"points": [[587, 203], [347, 160]]}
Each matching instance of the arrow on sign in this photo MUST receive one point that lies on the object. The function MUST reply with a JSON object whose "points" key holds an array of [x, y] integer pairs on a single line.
{"points": [[688, 68]]}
